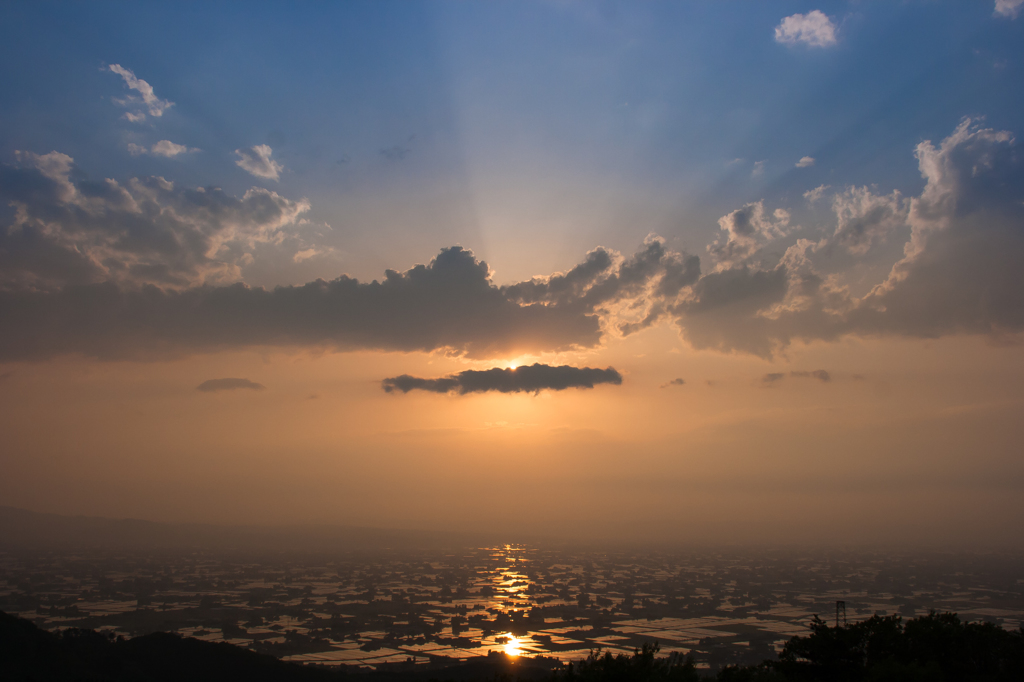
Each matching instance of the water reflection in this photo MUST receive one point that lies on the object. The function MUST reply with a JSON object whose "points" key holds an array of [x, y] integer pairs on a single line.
{"points": [[382, 611]]}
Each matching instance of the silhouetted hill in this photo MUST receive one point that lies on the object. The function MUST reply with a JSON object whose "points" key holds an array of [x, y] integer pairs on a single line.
{"points": [[20, 528], [28, 653]]}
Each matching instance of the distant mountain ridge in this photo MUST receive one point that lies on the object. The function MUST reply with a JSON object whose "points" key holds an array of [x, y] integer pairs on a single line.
{"points": [[24, 529]]}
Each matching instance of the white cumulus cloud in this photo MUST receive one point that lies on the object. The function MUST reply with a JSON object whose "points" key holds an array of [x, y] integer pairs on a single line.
{"points": [[154, 105], [805, 162], [257, 161], [814, 29], [70, 230]]}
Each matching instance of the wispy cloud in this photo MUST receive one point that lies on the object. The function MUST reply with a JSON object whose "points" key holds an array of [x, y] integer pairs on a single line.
{"points": [[229, 384], [674, 382], [813, 29], [775, 378], [819, 374], [812, 195], [153, 104], [526, 379], [398, 151], [256, 160], [164, 148]]}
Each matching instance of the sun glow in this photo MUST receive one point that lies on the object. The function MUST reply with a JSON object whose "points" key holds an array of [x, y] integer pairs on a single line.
{"points": [[513, 647], [514, 363]]}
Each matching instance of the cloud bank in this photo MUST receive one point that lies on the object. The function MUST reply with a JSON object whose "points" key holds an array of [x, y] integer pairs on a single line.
{"points": [[147, 269], [526, 379]]}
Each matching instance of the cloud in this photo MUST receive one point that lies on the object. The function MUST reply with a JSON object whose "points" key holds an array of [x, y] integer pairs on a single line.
{"points": [[170, 149], [526, 379], [1008, 8], [865, 218], [674, 382], [746, 230], [813, 29], [154, 105], [311, 252], [758, 169], [805, 162], [69, 230], [813, 195], [258, 162], [164, 148], [398, 151], [775, 378], [448, 305], [211, 385], [147, 269], [819, 374], [959, 272]]}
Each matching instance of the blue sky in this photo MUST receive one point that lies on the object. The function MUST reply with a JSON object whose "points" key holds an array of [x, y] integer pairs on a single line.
{"points": [[661, 110]]}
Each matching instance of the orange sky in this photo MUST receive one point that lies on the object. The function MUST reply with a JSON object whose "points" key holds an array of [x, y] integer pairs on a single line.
{"points": [[910, 440]]}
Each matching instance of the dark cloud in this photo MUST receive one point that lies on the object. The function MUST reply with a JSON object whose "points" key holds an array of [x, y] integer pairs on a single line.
{"points": [[819, 374], [449, 304], [211, 385], [775, 377], [674, 382], [526, 379]]}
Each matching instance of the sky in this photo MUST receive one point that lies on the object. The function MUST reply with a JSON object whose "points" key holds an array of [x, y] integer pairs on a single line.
{"points": [[674, 272]]}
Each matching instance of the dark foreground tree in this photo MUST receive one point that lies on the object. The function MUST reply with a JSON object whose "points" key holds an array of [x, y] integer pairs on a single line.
{"points": [[642, 666], [936, 647]]}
